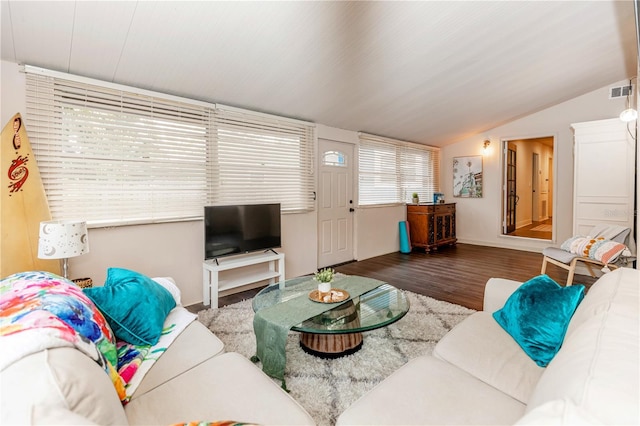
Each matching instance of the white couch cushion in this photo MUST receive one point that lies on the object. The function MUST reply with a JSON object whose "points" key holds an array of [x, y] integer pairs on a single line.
{"points": [[479, 346], [170, 285], [193, 346], [557, 412], [59, 386], [225, 387], [597, 367], [608, 291], [496, 293], [429, 391]]}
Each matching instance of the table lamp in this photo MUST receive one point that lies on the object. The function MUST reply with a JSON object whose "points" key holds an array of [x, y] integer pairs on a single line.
{"points": [[62, 239]]}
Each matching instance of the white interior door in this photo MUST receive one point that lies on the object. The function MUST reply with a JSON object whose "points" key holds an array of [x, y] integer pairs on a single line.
{"points": [[335, 203]]}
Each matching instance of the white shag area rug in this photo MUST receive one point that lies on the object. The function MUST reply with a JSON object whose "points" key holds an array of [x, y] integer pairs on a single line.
{"points": [[326, 387]]}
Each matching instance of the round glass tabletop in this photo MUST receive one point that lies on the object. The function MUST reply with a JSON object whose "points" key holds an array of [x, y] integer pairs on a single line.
{"points": [[374, 309]]}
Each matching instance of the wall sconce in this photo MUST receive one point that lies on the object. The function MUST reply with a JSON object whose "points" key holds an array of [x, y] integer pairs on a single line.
{"points": [[629, 114], [62, 239], [486, 147]]}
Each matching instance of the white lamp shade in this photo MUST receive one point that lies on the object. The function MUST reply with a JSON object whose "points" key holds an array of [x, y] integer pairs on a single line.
{"points": [[60, 239]]}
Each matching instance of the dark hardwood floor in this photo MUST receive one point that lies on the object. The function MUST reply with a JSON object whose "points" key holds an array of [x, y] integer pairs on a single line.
{"points": [[533, 230], [456, 274]]}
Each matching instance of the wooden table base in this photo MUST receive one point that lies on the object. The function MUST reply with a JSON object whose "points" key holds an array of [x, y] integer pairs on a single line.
{"points": [[331, 345]]}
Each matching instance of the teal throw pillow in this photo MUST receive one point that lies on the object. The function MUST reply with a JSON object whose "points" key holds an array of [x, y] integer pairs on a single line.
{"points": [[537, 315], [135, 306]]}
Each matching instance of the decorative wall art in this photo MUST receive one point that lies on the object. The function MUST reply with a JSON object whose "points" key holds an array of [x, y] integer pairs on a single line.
{"points": [[467, 177]]}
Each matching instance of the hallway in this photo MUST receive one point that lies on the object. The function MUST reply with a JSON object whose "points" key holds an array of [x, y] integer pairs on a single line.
{"points": [[539, 230]]}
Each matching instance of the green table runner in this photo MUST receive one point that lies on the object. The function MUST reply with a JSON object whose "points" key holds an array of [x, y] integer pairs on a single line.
{"points": [[272, 324]]}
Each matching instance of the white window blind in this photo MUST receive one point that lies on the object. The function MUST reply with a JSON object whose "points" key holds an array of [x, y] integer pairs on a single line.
{"points": [[114, 157], [261, 158], [390, 171]]}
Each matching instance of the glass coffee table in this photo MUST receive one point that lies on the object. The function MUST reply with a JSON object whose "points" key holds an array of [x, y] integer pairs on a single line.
{"points": [[338, 330]]}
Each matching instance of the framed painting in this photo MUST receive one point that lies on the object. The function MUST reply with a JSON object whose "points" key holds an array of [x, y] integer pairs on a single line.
{"points": [[467, 177]]}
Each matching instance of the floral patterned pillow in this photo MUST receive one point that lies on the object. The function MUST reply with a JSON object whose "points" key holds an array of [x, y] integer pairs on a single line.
{"points": [[41, 310]]}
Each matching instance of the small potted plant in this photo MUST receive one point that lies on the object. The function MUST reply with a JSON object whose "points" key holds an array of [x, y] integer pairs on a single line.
{"points": [[414, 198], [324, 278]]}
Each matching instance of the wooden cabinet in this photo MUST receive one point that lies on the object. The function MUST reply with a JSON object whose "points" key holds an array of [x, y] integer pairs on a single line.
{"points": [[431, 225]]}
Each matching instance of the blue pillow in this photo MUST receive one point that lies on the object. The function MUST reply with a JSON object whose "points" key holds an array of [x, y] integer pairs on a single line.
{"points": [[537, 315], [135, 306]]}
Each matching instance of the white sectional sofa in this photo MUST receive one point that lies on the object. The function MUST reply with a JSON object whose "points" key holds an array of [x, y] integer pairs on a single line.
{"points": [[194, 380], [478, 374]]}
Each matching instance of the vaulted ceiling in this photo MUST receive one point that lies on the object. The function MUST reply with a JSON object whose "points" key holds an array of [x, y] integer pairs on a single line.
{"points": [[429, 72]]}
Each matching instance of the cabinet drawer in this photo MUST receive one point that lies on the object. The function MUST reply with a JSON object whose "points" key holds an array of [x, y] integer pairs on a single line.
{"points": [[445, 208], [419, 209]]}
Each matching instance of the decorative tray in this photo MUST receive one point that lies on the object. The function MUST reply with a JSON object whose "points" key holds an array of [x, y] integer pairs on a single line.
{"points": [[334, 295]]}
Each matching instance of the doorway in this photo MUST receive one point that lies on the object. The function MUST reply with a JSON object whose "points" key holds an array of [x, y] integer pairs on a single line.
{"points": [[528, 188], [335, 202]]}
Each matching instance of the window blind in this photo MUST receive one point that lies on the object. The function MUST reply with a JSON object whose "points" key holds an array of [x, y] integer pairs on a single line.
{"points": [[261, 158], [113, 157], [390, 171]]}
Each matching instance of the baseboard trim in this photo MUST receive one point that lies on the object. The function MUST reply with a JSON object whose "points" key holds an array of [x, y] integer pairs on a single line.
{"points": [[506, 245]]}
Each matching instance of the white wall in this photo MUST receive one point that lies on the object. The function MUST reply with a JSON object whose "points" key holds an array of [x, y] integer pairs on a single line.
{"points": [[479, 219], [377, 230], [12, 91]]}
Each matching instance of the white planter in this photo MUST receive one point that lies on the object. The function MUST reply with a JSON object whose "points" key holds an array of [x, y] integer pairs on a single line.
{"points": [[324, 287]]}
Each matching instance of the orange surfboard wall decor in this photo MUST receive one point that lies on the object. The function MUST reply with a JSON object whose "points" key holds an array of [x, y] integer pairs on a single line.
{"points": [[23, 204]]}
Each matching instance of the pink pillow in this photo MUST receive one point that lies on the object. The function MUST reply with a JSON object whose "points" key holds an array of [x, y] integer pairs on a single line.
{"points": [[606, 251]]}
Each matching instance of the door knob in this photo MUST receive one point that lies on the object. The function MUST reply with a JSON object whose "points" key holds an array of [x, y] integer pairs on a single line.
{"points": [[352, 210]]}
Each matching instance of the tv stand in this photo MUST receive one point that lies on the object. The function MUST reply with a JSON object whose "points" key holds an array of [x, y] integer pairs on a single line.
{"points": [[214, 286]]}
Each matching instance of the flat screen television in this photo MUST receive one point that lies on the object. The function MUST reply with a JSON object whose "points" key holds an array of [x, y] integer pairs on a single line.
{"points": [[239, 229]]}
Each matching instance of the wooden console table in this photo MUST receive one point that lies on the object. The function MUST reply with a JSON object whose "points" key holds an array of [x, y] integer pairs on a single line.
{"points": [[432, 225]]}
